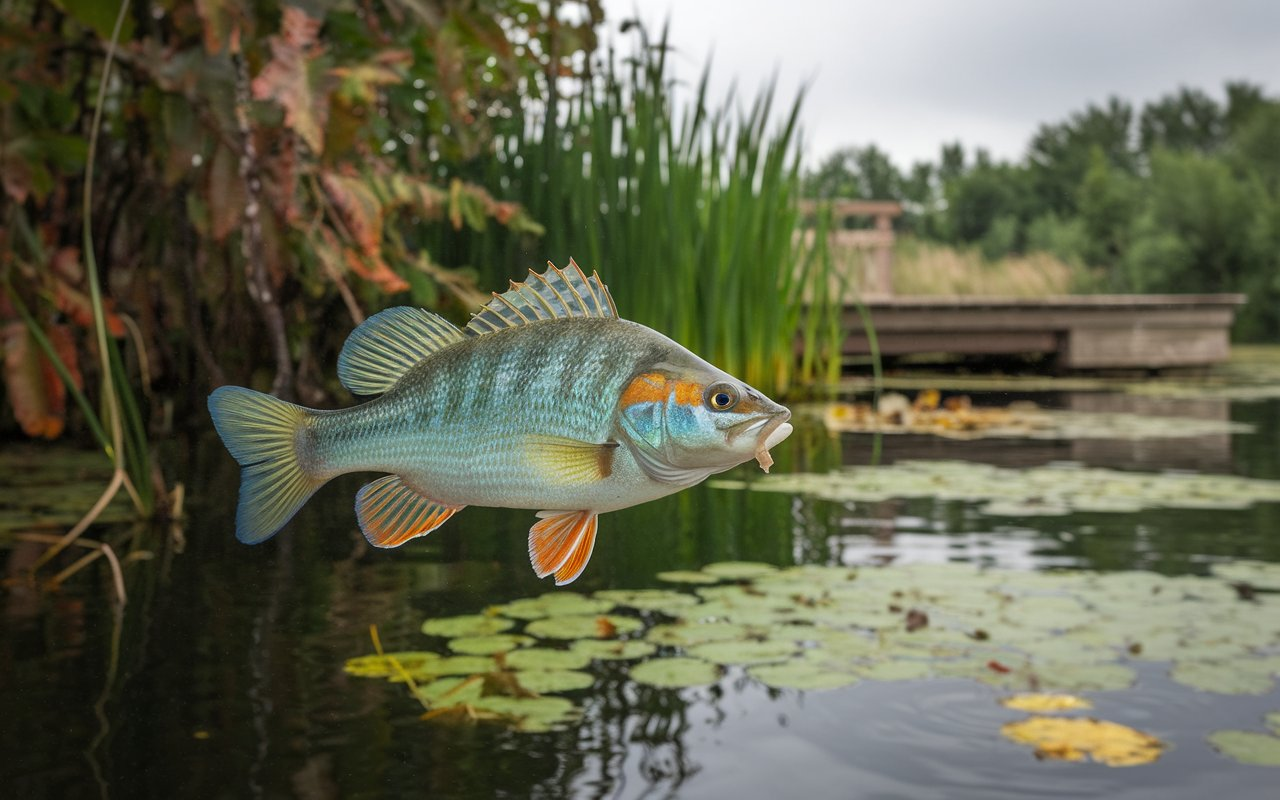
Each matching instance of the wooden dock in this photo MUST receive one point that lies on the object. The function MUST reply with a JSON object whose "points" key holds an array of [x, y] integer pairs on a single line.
{"points": [[1150, 331]]}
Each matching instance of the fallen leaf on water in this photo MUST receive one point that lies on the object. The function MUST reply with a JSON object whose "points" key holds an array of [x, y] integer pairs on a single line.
{"points": [[1045, 703], [1075, 739]]}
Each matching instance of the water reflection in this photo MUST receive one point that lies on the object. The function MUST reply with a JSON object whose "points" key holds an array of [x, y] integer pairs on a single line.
{"points": [[228, 678]]}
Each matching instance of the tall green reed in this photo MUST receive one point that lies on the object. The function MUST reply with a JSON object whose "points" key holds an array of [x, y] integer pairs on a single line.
{"points": [[689, 211]]}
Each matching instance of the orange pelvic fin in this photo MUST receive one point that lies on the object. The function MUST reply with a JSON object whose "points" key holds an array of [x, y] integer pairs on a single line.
{"points": [[391, 513], [561, 543]]}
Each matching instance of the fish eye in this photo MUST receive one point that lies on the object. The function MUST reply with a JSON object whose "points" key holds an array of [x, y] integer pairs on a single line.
{"points": [[722, 397]]}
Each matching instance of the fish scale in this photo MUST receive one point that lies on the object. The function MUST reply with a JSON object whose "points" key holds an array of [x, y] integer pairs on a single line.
{"points": [[547, 401]]}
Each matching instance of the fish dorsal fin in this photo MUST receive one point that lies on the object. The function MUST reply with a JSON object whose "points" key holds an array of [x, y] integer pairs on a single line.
{"points": [[553, 294], [388, 344]]}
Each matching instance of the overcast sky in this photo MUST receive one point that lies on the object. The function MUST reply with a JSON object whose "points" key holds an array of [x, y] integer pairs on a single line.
{"points": [[910, 75]]}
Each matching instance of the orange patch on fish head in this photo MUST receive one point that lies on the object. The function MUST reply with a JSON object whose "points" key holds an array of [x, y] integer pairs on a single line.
{"points": [[657, 387]]}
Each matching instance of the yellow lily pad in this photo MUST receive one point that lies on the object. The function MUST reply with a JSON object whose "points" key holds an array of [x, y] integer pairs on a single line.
{"points": [[1045, 703], [1077, 739]]}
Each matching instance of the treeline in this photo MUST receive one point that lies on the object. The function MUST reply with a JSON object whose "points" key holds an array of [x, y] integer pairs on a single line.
{"points": [[1182, 195]]}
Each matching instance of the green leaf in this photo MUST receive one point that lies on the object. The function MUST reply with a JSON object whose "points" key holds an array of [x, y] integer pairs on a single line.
{"points": [[99, 16], [539, 658], [675, 672], [466, 625], [1238, 676], [583, 626], [739, 570], [749, 652], [613, 650], [551, 681], [488, 645], [554, 604], [1247, 747]]}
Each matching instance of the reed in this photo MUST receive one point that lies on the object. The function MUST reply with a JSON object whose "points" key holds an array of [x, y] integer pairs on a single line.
{"points": [[687, 209]]}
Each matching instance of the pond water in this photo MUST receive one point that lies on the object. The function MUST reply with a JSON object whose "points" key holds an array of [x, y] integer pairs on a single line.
{"points": [[225, 677]]}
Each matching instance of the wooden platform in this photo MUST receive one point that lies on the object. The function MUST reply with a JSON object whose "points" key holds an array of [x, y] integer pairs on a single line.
{"points": [[1083, 331]]}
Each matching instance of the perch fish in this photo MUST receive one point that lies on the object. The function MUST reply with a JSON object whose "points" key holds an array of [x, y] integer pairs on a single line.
{"points": [[546, 401]]}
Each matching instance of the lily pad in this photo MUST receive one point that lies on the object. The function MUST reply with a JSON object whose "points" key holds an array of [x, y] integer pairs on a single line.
{"points": [[1223, 677], [1076, 739], [739, 570], [531, 714], [749, 652], [488, 645], [375, 666], [550, 681], [448, 691], [613, 650], [1273, 721], [674, 673], [650, 599], [583, 626], [1070, 677], [1045, 703], [687, 576], [804, 675], [454, 665], [553, 605], [1258, 574], [684, 634], [1248, 747], [530, 658], [466, 625]]}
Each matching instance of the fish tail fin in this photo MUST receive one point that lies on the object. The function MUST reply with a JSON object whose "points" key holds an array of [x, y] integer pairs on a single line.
{"points": [[261, 432]]}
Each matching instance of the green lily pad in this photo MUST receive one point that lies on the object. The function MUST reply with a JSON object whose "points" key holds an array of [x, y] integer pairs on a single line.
{"points": [[1247, 747], [1273, 721], [550, 681], [583, 626], [466, 625], [672, 673], [448, 691], [1223, 677], [454, 665], [896, 670], [650, 599], [488, 645], [687, 576], [1258, 574], [691, 633], [1071, 677], [613, 650], [749, 652], [530, 714], [536, 658], [804, 675], [739, 570], [555, 604]]}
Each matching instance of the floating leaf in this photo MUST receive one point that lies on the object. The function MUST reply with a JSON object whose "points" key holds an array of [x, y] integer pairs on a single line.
{"points": [[447, 691], [613, 650], [1258, 574], [530, 714], [1045, 703], [1075, 739], [466, 625], [1273, 721], [452, 665], [550, 681], [749, 652], [804, 675], [554, 604], [739, 570], [1085, 677], [685, 634], [1223, 677], [675, 672], [582, 626], [546, 658], [687, 576], [650, 599], [1248, 747], [488, 645], [375, 666]]}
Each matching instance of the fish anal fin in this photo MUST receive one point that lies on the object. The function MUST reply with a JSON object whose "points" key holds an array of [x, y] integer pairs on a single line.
{"points": [[570, 461], [391, 513], [552, 294], [388, 344], [560, 544]]}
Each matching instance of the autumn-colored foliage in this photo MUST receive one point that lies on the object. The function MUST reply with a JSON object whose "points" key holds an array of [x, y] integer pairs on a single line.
{"points": [[262, 175]]}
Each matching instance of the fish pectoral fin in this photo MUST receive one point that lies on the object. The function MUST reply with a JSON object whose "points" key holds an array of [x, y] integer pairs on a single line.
{"points": [[391, 513], [561, 542], [570, 461]]}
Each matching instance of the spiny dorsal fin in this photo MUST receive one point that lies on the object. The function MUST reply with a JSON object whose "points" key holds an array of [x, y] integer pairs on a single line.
{"points": [[553, 294], [387, 344]]}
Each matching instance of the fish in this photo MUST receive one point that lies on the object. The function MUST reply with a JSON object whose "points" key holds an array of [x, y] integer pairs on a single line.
{"points": [[547, 400]]}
